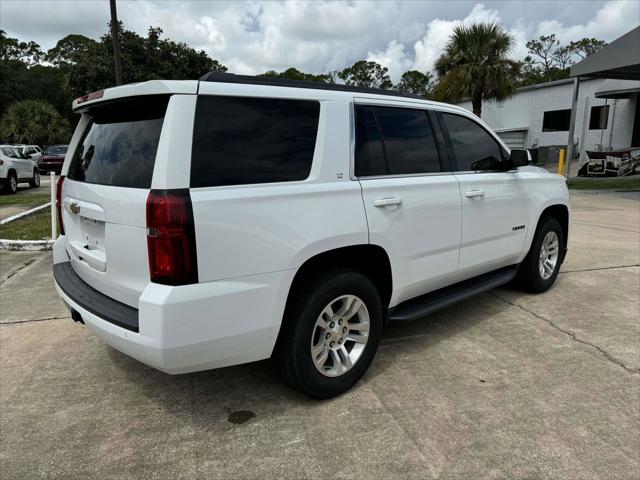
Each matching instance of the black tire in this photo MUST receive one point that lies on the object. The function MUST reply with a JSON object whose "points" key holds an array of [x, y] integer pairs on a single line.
{"points": [[11, 184], [35, 180], [292, 356], [529, 276]]}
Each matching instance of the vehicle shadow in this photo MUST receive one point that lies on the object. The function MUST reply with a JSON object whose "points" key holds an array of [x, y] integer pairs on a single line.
{"points": [[235, 394]]}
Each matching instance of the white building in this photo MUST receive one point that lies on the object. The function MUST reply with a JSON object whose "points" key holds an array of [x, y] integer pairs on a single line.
{"points": [[607, 115]]}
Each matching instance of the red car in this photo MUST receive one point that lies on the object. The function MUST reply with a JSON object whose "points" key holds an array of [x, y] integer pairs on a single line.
{"points": [[52, 159]]}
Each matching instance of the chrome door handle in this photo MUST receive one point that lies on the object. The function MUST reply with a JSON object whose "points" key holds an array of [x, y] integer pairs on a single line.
{"points": [[388, 202], [474, 194]]}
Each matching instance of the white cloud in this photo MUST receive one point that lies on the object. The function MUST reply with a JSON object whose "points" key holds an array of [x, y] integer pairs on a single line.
{"points": [[612, 20], [319, 36], [430, 47], [394, 58]]}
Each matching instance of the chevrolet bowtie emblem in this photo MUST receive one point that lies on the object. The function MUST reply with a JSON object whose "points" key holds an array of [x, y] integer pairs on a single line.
{"points": [[75, 208]]}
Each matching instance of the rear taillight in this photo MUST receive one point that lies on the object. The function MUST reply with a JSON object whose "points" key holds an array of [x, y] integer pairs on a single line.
{"points": [[90, 96], [171, 238], [59, 204]]}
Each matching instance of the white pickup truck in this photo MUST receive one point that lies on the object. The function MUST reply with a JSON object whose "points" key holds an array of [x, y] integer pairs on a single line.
{"points": [[232, 219]]}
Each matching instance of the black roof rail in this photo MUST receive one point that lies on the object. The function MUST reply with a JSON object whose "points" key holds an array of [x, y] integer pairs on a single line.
{"points": [[285, 82]]}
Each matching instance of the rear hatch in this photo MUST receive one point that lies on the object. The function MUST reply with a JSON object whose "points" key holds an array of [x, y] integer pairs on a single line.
{"points": [[105, 192]]}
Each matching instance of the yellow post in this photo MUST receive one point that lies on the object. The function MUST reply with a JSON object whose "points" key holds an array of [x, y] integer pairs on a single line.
{"points": [[561, 162]]}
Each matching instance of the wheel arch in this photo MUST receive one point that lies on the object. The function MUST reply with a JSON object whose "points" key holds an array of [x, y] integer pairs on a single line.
{"points": [[560, 212], [370, 260]]}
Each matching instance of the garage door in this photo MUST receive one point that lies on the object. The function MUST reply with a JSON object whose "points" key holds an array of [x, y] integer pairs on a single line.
{"points": [[513, 138]]}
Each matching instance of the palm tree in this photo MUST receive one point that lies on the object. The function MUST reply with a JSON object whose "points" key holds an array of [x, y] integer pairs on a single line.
{"points": [[33, 122], [475, 65]]}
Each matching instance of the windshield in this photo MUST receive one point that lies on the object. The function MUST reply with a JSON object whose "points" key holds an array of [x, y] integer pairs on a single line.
{"points": [[9, 152], [56, 150]]}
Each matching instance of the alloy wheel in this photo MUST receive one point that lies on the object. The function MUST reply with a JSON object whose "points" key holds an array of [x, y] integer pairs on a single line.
{"points": [[549, 252], [340, 335]]}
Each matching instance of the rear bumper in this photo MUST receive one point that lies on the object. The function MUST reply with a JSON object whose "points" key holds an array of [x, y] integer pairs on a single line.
{"points": [[49, 167], [110, 310], [194, 327]]}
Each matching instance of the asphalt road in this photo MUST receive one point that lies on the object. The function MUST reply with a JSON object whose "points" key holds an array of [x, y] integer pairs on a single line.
{"points": [[506, 385]]}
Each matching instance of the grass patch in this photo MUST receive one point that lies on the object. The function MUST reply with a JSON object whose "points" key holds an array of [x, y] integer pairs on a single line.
{"points": [[35, 200], [612, 183], [31, 227]]}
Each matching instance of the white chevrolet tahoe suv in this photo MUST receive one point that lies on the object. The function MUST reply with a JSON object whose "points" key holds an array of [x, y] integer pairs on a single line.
{"points": [[232, 219]]}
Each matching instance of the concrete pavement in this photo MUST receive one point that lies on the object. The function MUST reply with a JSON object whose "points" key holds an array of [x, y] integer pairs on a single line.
{"points": [[506, 385]]}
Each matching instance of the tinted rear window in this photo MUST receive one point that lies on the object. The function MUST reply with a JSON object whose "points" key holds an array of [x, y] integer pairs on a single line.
{"points": [[119, 145], [240, 140], [57, 150], [394, 141]]}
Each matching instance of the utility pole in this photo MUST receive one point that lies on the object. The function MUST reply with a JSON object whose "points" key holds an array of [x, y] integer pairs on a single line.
{"points": [[115, 38], [572, 124]]}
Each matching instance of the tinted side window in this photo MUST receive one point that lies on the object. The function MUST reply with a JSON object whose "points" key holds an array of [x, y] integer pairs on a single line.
{"points": [[409, 143], [473, 147], [394, 141], [239, 140], [369, 153]]}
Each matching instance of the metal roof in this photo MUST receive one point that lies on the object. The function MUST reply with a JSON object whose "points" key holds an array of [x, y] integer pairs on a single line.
{"points": [[614, 88], [282, 82], [620, 59]]}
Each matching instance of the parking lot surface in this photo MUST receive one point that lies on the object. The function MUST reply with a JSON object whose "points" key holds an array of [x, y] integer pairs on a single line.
{"points": [[505, 385]]}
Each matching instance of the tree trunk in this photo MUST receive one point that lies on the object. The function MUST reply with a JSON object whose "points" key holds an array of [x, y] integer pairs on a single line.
{"points": [[476, 103]]}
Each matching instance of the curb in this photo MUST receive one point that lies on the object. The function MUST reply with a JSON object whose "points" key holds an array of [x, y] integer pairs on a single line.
{"points": [[26, 245]]}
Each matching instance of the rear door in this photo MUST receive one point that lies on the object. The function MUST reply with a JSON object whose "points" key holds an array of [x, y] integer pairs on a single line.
{"points": [[104, 194], [24, 163], [494, 201], [411, 198]]}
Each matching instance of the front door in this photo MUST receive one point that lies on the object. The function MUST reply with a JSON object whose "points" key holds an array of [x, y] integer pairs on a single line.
{"points": [[494, 202]]}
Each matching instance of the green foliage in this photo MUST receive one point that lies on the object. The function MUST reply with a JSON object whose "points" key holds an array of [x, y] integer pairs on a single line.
{"points": [[610, 183], [33, 122], [25, 52], [548, 60], [475, 65], [87, 64], [366, 74], [416, 82], [31, 200], [295, 74], [79, 65], [32, 227], [587, 46]]}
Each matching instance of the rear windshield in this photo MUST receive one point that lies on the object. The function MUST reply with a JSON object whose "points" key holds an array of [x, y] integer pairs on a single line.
{"points": [[56, 150], [119, 145]]}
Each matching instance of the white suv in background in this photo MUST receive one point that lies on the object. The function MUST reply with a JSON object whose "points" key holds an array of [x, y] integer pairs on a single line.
{"points": [[232, 219], [15, 168]]}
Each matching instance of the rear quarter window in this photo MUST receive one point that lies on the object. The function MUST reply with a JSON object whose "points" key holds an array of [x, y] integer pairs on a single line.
{"points": [[241, 140], [119, 145]]}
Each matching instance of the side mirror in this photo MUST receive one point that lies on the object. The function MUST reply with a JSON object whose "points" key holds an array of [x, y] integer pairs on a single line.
{"points": [[519, 158]]}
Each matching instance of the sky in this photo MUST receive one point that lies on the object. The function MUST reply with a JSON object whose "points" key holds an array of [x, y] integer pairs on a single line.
{"points": [[321, 35]]}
